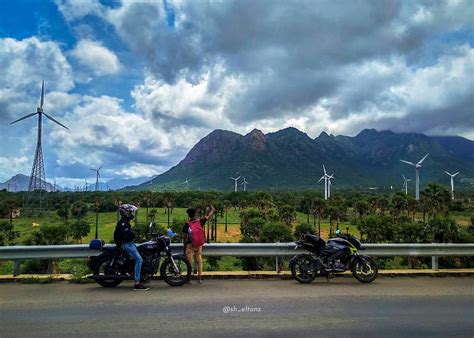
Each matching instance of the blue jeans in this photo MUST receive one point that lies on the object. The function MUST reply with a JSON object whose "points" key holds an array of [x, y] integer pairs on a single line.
{"points": [[131, 248]]}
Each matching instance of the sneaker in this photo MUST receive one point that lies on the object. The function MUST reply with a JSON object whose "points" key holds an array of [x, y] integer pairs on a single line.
{"points": [[140, 287]]}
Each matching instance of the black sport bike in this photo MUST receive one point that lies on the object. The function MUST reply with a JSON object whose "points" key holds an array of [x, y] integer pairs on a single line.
{"points": [[115, 265], [337, 255]]}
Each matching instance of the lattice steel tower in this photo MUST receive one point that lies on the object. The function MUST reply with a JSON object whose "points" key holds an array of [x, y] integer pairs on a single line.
{"points": [[38, 178]]}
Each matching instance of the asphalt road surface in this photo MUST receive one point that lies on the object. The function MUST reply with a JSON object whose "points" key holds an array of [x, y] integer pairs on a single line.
{"points": [[415, 307]]}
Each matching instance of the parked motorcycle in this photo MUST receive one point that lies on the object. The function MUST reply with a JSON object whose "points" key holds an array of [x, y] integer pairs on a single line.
{"points": [[337, 255], [115, 265]]}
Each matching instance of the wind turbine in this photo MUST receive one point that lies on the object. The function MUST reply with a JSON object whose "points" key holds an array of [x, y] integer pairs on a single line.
{"points": [[235, 179], [97, 177], [417, 170], [244, 183], [330, 184], [327, 182], [405, 184], [452, 183], [38, 177], [186, 183]]}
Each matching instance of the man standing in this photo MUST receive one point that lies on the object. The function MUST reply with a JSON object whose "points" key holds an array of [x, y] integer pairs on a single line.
{"points": [[194, 238], [124, 237]]}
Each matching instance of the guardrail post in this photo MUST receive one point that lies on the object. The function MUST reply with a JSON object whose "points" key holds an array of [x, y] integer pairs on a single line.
{"points": [[16, 267], [434, 262]]}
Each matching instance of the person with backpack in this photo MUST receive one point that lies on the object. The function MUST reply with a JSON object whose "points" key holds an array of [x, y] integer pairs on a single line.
{"points": [[194, 237]]}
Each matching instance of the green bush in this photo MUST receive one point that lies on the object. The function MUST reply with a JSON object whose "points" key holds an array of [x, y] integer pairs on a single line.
{"points": [[304, 228], [276, 232], [79, 229], [377, 229]]}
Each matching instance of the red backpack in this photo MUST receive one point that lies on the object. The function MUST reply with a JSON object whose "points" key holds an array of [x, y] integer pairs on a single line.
{"points": [[196, 232]]}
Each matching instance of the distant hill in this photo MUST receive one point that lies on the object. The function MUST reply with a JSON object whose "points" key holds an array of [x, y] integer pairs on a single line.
{"points": [[290, 159], [20, 183]]}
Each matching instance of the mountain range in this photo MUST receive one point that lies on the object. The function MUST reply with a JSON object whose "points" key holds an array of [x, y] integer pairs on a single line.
{"points": [[291, 160], [20, 182]]}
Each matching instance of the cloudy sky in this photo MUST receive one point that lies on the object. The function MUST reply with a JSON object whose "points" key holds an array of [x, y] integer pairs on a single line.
{"points": [[139, 82]]}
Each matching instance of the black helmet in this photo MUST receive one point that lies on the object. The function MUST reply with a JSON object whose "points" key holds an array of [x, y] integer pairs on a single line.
{"points": [[127, 210]]}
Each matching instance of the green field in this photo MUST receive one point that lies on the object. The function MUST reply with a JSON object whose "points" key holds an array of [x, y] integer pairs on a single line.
{"points": [[107, 222]]}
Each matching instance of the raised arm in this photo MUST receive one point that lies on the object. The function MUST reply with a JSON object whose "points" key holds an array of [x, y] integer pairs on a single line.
{"points": [[211, 212]]}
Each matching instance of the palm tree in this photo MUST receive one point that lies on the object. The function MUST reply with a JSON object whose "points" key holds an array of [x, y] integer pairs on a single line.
{"points": [[438, 197], [318, 206], [444, 230], [227, 205], [118, 202]]}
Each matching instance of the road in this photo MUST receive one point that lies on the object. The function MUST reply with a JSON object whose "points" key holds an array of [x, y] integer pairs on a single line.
{"points": [[412, 307]]}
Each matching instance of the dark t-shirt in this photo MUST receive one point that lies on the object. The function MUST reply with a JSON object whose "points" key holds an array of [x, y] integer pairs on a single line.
{"points": [[186, 226]]}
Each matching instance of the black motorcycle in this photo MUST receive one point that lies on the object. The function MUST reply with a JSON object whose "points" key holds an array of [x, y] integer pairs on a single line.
{"points": [[115, 265], [337, 255]]}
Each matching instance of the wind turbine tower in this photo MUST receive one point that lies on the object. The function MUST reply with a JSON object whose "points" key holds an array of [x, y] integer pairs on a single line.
{"points": [[452, 183], [38, 177], [186, 183], [235, 181], [244, 183], [97, 177], [405, 184], [327, 183], [417, 171]]}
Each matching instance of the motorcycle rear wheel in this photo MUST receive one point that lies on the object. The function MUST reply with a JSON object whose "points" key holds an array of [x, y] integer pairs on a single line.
{"points": [[102, 267], [299, 273]]}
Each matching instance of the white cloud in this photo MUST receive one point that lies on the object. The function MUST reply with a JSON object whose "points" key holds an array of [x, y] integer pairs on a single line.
{"points": [[93, 55], [203, 104], [140, 170], [10, 166], [77, 9], [104, 133], [32, 60]]}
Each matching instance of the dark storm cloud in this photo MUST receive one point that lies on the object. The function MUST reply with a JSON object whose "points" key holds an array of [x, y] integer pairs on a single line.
{"points": [[291, 56]]}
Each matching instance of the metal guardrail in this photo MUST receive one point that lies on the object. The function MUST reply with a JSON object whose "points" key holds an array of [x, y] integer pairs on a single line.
{"points": [[240, 249], [19, 253]]}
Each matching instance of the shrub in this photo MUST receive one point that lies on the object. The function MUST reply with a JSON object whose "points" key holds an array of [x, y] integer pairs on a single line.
{"points": [[378, 229], [303, 228], [79, 229], [276, 232]]}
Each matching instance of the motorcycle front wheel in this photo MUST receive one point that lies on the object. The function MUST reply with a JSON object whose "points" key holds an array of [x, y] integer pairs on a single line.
{"points": [[300, 271], [365, 269], [176, 276]]}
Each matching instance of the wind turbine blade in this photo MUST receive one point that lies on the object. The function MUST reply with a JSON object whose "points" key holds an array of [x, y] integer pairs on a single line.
{"points": [[49, 117], [448, 173], [321, 179], [24, 117], [456, 173], [324, 168], [421, 161], [93, 169], [410, 163], [100, 167], [42, 94], [238, 177], [404, 178], [232, 178]]}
